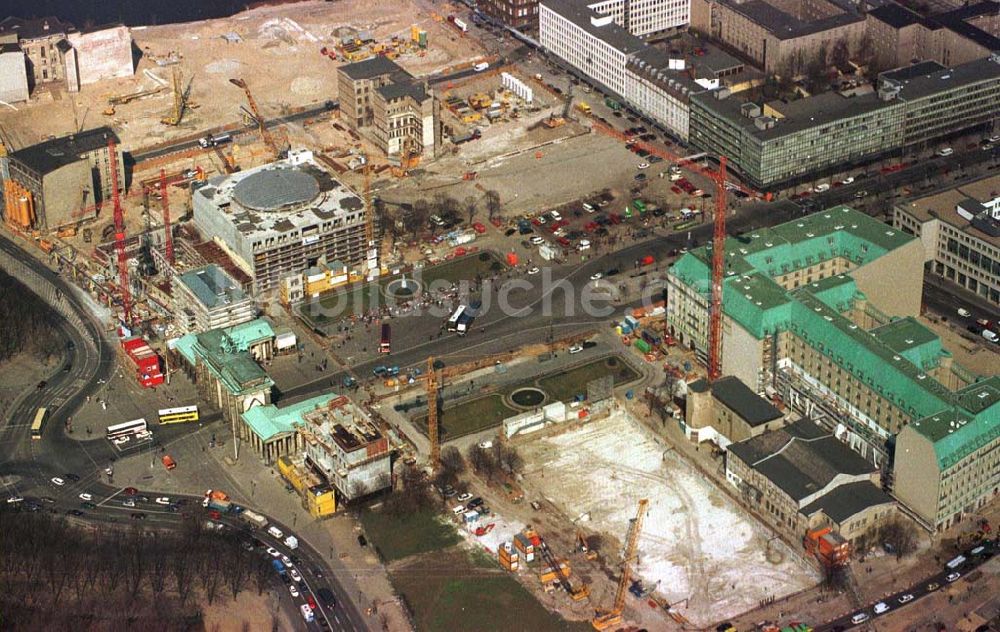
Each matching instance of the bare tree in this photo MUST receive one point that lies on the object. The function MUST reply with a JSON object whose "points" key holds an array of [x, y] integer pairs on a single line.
{"points": [[261, 574], [451, 459], [471, 207], [492, 201], [509, 458], [417, 218], [901, 535], [211, 570], [841, 54]]}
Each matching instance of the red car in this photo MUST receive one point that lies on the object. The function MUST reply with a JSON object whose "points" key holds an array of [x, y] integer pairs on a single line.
{"points": [[130, 491], [479, 228], [214, 515], [590, 227], [676, 190], [311, 601], [565, 242], [615, 218]]}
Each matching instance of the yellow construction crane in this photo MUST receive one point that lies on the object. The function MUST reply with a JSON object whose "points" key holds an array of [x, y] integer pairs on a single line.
{"points": [[606, 619], [265, 134], [180, 100]]}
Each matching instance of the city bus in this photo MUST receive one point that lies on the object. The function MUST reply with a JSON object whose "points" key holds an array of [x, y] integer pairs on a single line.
{"points": [[385, 345], [453, 319], [129, 428], [178, 415], [36, 425]]}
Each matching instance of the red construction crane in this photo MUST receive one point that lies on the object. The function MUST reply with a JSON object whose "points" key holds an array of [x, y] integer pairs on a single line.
{"points": [[168, 243], [126, 294], [718, 275]]}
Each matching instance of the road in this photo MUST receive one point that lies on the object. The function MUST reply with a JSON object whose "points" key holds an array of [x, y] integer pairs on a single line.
{"points": [[913, 594], [191, 144], [28, 466]]}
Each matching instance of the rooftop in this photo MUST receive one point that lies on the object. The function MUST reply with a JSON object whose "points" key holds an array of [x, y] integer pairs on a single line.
{"points": [[850, 499], [278, 198], [212, 286], [47, 156], [738, 397], [270, 421], [373, 67], [35, 28], [927, 79], [400, 89], [910, 339], [599, 26], [942, 206], [800, 459], [225, 353], [344, 424], [895, 15], [969, 425], [786, 26]]}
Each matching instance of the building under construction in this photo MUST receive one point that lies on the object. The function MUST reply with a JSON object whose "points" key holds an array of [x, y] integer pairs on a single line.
{"points": [[60, 182], [281, 218]]}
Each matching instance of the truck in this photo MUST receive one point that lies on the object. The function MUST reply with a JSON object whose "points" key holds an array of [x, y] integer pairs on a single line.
{"points": [[583, 107], [254, 518], [292, 542], [215, 140], [611, 103], [466, 137], [275, 532], [279, 567], [642, 345], [468, 315], [651, 338], [220, 505]]}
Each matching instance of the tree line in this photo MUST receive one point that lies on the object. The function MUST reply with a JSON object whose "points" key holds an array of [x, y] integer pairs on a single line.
{"points": [[28, 322], [55, 575]]}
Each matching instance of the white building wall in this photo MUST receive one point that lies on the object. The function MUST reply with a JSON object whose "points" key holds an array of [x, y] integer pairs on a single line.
{"points": [[652, 16], [13, 77], [659, 104], [591, 55], [103, 54]]}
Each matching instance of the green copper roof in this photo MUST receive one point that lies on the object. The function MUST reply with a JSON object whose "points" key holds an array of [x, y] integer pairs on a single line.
{"points": [[224, 352], [967, 427], [269, 421], [910, 339]]}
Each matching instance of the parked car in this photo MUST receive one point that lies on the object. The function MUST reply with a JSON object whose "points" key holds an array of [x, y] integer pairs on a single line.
{"points": [[952, 577], [86, 496], [860, 617], [273, 552], [964, 313], [464, 497], [907, 598], [163, 500], [58, 481], [881, 607], [293, 591]]}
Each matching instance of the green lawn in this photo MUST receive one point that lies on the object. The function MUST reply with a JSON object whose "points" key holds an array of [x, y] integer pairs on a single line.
{"points": [[473, 416], [563, 386], [360, 298], [452, 591], [402, 536]]}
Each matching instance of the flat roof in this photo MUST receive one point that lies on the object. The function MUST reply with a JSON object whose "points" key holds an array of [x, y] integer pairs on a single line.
{"points": [[579, 13], [270, 421], [737, 396], [783, 25], [212, 286], [293, 211], [895, 15], [35, 28], [942, 206], [372, 67], [47, 156], [929, 78]]}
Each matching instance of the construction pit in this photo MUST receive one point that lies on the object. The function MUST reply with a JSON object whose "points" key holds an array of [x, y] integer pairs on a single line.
{"points": [[277, 49], [706, 557]]}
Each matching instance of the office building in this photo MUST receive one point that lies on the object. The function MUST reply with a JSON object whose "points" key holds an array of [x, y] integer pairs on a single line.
{"points": [[282, 218], [801, 478], [780, 36], [600, 40], [783, 143], [209, 298], [383, 102], [59, 182], [56, 52], [960, 232], [952, 38], [818, 314]]}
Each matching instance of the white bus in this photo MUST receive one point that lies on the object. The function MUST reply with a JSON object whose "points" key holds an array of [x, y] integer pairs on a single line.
{"points": [[129, 428], [178, 415], [453, 319]]}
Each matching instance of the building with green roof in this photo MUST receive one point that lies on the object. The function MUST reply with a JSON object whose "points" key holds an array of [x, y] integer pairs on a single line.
{"points": [[273, 431], [224, 364], [820, 313]]}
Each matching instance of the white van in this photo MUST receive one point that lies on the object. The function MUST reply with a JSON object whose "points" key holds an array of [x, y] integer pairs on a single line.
{"points": [[307, 613], [481, 66], [588, 207], [275, 532], [990, 335]]}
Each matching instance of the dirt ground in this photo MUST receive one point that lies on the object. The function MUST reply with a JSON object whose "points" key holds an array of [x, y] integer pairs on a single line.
{"points": [[704, 554], [247, 612], [279, 56], [972, 354]]}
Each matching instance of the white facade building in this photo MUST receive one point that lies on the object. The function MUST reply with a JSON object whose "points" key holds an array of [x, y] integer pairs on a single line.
{"points": [[600, 39]]}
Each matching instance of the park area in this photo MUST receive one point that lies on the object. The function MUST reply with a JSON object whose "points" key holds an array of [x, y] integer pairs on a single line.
{"points": [[705, 553], [489, 411], [356, 299]]}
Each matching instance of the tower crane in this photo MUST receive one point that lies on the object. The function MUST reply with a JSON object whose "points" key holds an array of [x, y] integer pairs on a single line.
{"points": [[180, 100], [718, 275], [123, 282], [168, 238], [265, 134], [606, 619]]}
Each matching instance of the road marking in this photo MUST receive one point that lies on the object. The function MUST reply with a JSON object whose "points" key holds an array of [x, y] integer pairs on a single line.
{"points": [[100, 504]]}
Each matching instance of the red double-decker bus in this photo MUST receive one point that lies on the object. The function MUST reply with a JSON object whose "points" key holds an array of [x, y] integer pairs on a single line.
{"points": [[385, 346]]}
